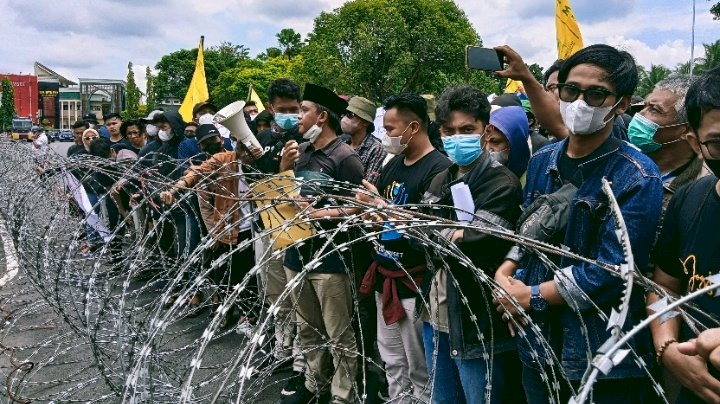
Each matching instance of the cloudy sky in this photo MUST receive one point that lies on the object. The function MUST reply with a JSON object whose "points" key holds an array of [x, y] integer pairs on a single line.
{"points": [[97, 39]]}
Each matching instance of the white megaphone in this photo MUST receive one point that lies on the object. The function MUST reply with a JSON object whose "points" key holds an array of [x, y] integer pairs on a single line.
{"points": [[233, 118]]}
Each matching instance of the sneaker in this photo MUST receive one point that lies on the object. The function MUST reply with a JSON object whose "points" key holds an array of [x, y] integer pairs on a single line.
{"points": [[293, 384], [301, 396]]}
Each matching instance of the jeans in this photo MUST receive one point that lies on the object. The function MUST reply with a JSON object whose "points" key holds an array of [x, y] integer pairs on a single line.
{"points": [[610, 391], [456, 380], [93, 237]]}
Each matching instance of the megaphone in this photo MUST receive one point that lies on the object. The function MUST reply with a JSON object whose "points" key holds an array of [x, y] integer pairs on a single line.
{"points": [[233, 118]]}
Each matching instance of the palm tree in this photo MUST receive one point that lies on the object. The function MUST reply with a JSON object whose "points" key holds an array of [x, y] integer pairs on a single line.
{"points": [[649, 78], [711, 59]]}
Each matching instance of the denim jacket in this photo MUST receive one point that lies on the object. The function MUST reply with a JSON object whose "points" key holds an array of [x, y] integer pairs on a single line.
{"points": [[575, 332]]}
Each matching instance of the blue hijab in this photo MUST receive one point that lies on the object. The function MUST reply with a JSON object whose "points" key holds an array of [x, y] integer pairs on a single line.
{"points": [[513, 124]]}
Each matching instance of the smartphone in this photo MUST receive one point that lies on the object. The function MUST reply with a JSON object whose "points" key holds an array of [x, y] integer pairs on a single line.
{"points": [[487, 59]]}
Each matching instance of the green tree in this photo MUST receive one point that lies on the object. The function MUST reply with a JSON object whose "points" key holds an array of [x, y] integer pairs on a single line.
{"points": [[291, 43], [711, 59], [176, 69], [271, 52], [132, 99], [149, 90], [537, 71], [649, 78], [377, 48], [715, 11], [7, 105], [237, 80]]}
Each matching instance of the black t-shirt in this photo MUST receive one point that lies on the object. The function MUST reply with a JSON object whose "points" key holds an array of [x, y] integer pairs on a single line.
{"points": [[404, 185], [689, 249], [273, 143], [569, 167], [339, 162], [76, 149]]}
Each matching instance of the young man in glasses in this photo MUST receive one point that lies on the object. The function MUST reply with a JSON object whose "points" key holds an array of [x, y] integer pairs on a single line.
{"points": [[570, 308], [688, 250]]}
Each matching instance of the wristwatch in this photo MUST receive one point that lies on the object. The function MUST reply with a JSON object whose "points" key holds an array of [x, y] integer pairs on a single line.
{"points": [[537, 301]]}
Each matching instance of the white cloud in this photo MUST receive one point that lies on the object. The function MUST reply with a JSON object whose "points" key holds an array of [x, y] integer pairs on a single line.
{"points": [[97, 41]]}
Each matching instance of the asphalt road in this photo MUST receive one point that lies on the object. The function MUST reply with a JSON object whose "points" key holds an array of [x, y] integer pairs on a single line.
{"points": [[47, 361]]}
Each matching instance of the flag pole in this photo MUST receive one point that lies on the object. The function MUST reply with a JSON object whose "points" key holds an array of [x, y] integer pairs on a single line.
{"points": [[692, 43], [249, 93]]}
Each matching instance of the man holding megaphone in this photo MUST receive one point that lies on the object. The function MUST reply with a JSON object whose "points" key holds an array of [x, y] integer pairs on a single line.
{"points": [[324, 298]]}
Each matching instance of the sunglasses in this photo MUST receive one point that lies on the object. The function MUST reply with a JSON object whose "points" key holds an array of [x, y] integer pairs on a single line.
{"points": [[594, 97]]}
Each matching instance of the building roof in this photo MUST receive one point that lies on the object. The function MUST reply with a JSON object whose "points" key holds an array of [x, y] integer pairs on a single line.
{"points": [[43, 71]]}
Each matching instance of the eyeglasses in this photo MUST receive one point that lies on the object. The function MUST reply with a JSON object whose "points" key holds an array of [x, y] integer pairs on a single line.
{"points": [[594, 97], [713, 148], [89, 138], [350, 115]]}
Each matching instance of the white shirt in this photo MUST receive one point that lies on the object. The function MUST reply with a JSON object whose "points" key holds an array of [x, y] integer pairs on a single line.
{"points": [[42, 141]]}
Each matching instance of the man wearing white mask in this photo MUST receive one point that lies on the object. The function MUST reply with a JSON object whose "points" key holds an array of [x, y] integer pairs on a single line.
{"points": [[570, 308], [323, 298], [398, 265]]}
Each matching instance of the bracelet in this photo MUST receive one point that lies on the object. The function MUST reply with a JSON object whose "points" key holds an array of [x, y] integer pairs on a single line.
{"points": [[661, 351]]}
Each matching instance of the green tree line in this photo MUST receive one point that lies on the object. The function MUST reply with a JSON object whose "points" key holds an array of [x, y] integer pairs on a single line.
{"points": [[373, 48]]}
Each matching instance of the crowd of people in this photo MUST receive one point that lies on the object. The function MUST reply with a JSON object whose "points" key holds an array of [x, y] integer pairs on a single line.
{"points": [[481, 317]]}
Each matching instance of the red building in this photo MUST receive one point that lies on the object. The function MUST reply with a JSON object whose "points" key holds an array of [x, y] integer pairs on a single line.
{"points": [[25, 88]]}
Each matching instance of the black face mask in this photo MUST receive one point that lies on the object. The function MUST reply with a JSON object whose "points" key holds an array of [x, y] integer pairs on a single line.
{"points": [[213, 148]]}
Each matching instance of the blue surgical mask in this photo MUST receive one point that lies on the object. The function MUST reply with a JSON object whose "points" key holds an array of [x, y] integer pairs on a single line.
{"points": [[286, 121], [641, 133], [463, 149]]}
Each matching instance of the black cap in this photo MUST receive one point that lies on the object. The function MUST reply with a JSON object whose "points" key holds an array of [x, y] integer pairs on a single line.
{"points": [[90, 117], [206, 131], [265, 116], [325, 97], [507, 100], [201, 105]]}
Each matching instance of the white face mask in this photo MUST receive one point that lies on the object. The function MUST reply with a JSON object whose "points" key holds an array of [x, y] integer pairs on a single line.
{"points": [[253, 116], [165, 135], [501, 157], [312, 134], [393, 145], [582, 119], [206, 119], [151, 130]]}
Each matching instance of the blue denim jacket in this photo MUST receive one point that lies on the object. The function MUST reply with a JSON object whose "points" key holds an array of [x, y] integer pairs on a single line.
{"points": [[591, 233]]}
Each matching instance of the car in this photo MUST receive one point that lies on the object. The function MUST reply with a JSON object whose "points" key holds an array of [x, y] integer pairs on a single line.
{"points": [[52, 135], [66, 136]]}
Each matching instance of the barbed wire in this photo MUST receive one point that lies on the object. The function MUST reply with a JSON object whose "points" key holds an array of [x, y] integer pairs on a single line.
{"points": [[108, 306]]}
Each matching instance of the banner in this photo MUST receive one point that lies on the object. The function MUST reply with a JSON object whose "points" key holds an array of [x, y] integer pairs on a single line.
{"points": [[198, 90], [569, 39]]}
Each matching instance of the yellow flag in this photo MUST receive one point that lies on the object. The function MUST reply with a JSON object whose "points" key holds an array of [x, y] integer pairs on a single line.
{"points": [[253, 96], [512, 86], [569, 39], [198, 90]]}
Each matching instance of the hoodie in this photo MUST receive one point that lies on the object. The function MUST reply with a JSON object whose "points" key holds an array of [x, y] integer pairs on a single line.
{"points": [[513, 124], [163, 155]]}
